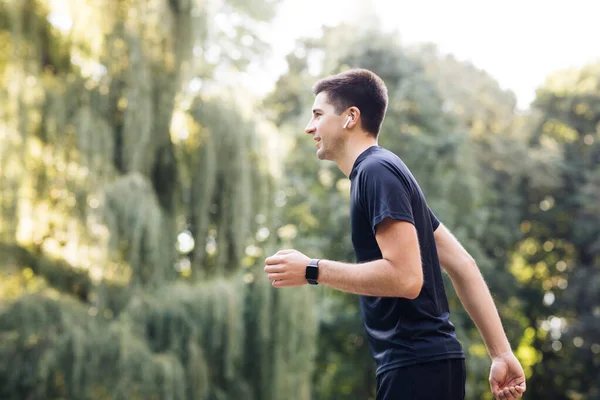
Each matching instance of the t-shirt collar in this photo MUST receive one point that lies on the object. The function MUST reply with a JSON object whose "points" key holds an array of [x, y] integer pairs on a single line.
{"points": [[360, 159]]}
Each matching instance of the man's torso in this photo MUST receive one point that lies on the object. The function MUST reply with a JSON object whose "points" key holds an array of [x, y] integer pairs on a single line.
{"points": [[400, 331]]}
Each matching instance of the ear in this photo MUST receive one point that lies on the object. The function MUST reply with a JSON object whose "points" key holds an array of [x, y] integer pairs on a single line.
{"points": [[353, 117], [348, 120]]}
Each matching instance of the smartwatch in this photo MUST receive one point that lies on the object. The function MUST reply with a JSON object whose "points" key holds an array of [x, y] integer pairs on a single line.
{"points": [[312, 271]]}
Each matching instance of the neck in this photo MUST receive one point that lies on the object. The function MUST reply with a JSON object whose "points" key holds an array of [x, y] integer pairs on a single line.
{"points": [[353, 149]]}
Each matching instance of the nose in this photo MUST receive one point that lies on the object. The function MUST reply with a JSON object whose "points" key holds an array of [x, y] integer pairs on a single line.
{"points": [[310, 128]]}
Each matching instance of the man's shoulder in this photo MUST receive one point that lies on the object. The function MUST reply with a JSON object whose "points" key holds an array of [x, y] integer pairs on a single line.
{"points": [[381, 160]]}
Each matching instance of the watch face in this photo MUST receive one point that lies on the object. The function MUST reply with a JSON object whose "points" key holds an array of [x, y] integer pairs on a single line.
{"points": [[312, 272]]}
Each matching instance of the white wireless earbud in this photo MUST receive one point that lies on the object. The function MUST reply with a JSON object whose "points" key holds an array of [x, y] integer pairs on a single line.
{"points": [[347, 121]]}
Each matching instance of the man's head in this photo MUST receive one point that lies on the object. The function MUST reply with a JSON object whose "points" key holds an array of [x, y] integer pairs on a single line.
{"points": [[355, 100]]}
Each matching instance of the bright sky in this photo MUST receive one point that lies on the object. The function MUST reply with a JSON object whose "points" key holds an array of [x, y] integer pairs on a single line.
{"points": [[518, 42]]}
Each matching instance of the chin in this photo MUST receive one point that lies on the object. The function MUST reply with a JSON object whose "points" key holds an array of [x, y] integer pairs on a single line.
{"points": [[321, 155]]}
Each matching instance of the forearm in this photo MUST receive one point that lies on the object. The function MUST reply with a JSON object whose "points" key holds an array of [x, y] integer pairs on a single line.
{"points": [[477, 300], [374, 278]]}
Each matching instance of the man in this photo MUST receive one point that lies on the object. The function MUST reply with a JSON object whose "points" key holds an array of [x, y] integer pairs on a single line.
{"points": [[399, 245]]}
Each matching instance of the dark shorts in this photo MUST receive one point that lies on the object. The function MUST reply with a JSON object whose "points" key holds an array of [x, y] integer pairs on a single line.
{"points": [[436, 380]]}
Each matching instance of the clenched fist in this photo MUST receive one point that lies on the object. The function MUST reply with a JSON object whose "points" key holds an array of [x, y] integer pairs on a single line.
{"points": [[287, 268]]}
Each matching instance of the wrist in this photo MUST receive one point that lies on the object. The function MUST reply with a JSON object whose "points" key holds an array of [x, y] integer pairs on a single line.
{"points": [[501, 352], [322, 272]]}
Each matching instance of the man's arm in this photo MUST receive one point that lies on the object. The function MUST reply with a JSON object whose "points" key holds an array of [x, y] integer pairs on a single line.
{"points": [[397, 274], [506, 375], [471, 290]]}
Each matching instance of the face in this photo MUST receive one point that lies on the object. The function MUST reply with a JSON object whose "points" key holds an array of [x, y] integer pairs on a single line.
{"points": [[327, 128]]}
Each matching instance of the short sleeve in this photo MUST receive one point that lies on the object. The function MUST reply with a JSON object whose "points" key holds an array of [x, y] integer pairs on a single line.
{"points": [[385, 193], [435, 223]]}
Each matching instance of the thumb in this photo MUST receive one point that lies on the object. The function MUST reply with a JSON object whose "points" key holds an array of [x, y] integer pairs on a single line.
{"points": [[494, 386]]}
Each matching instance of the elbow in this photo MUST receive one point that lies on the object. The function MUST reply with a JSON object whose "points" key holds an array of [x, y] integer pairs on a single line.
{"points": [[468, 270], [412, 287], [415, 289]]}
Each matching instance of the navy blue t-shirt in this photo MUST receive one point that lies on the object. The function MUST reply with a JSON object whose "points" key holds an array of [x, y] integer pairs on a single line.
{"points": [[400, 331]]}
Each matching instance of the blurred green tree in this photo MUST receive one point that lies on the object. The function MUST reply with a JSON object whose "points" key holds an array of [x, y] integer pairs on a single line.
{"points": [[135, 209], [557, 260]]}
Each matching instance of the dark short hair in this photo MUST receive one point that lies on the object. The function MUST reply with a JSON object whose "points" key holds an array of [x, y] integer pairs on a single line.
{"points": [[360, 88]]}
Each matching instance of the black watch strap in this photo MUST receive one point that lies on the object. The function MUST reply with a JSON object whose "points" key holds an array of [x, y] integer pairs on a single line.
{"points": [[312, 271]]}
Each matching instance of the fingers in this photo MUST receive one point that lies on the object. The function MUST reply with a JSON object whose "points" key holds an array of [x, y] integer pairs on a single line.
{"points": [[495, 387], [278, 284], [500, 395], [278, 257], [519, 391], [514, 392], [281, 269], [273, 260], [285, 283], [509, 393], [276, 276], [271, 269], [522, 387]]}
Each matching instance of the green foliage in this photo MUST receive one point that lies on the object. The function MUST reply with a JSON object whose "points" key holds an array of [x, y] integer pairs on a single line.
{"points": [[97, 181], [136, 222], [557, 261], [179, 342], [225, 149]]}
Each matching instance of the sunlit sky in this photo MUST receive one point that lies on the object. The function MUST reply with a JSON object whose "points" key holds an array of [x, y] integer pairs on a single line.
{"points": [[519, 42]]}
